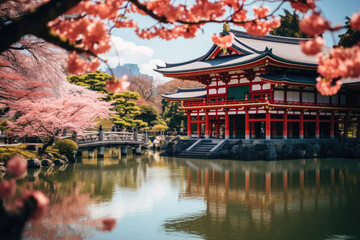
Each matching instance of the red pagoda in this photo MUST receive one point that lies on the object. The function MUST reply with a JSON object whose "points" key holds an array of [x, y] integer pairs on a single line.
{"points": [[262, 87]]}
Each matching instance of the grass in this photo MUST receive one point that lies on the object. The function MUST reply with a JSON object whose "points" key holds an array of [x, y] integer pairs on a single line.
{"points": [[7, 152]]}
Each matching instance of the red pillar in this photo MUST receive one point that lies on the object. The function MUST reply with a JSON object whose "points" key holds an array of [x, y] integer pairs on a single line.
{"points": [[301, 126], [189, 124], [332, 125], [234, 126], [332, 177], [285, 180], [268, 125], [290, 129], [301, 176], [346, 125], [217, 128], [247, 183], [188, 180], [198, 127], [227, 125], [247, 125], [207, 125], [227, 180], [285, 123], [317, 178], [253, 135], [317, 125], [268, 183]]}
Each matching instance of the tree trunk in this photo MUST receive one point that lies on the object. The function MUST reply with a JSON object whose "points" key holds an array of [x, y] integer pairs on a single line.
{"points": [[45, 146]]}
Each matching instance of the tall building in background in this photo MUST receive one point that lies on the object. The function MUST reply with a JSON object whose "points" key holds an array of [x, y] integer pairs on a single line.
{"points": [[130, 69]]}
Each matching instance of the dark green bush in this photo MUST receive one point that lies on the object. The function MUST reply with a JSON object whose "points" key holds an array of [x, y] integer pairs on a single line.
{"points": [[66, 146]]}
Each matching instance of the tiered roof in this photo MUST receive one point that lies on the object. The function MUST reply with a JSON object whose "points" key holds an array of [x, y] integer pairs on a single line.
{"points": [[246, 51], [186, 94]]}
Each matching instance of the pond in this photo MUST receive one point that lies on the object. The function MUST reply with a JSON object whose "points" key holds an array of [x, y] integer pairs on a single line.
{"points": [[154, 197]]}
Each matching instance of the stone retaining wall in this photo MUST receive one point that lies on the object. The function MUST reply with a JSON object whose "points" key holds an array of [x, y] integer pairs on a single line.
{"points": [[277, 150]]}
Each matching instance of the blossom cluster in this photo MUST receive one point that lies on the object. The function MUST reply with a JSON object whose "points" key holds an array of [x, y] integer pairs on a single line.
{"points": [[326, 88], [313, 46], [303, 6], [341, 62], [224, 41]]}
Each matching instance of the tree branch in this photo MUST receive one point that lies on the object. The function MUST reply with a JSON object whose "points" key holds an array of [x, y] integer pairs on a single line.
{"points": [[34, 21]]}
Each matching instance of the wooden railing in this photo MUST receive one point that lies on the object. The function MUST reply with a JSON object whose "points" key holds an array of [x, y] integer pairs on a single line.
{"points": [[259, 101], [94, 136]]}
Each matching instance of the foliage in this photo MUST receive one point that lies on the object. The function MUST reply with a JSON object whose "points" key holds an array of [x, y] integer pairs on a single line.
{"points": [[159, 128], [126, 110], [47, 118], [351, 37], [122, 103], [8, 151], [66, 146], [94, 81], [172, 115], [289, 26], [149, 115], [4, 125]]}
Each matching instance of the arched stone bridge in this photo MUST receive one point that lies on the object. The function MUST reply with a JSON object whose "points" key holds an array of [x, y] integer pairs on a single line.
{"points": [[100, 140]]}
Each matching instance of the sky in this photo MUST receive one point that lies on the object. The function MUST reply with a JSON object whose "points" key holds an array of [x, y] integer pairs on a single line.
{"points": [[127, 47]]}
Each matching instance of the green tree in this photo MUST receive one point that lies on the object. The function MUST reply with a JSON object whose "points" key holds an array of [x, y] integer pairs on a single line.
{"points": [[172, 114], [350, 37], [126, 109], [289, 26], [93, 81], [148, 114]]}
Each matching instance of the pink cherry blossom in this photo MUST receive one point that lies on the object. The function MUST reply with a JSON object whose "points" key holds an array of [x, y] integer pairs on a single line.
{"points": [[261, 28], [355, 21], [325, 87], [7, 188], [312, 47], [341, 62], [118, 86], [16, 166], [261, 11], [314, 24], [108, 224], [223, 41], [303, 6]]}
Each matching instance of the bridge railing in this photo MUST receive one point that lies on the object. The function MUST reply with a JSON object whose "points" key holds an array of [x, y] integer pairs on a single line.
{"points": [[110, 136]]}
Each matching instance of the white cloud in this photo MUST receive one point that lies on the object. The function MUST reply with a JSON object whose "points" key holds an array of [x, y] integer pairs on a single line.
{"points": [[128, 52], [148, 68]]}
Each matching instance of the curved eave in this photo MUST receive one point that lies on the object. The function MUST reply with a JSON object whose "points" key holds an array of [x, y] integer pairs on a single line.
{"points": [[272, 59], [184, 99]]}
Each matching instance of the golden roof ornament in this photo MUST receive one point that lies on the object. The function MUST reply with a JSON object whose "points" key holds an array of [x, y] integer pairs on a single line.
{"points": [[226, 27]]}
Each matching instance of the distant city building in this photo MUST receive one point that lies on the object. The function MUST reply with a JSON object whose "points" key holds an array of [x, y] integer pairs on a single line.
{"points": [[130, 69]]}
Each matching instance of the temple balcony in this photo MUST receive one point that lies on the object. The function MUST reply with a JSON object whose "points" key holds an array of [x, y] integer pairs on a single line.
{"points": [[188, 105]]}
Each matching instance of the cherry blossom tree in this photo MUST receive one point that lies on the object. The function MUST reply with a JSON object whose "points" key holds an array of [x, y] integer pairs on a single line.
{"points": [[83, 27], [48, 118]]}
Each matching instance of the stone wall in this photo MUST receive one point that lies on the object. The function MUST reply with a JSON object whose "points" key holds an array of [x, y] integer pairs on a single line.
{"points": [[281, 150], [249, 150]]}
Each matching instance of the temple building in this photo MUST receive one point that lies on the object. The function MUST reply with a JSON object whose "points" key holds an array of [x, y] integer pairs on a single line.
{"points": [[262, 88]]}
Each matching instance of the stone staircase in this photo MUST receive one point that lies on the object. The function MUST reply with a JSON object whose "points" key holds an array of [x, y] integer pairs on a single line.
{"points": [[200, 149]]}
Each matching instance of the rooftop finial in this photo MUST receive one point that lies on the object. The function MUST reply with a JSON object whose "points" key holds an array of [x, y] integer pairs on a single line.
{"points": [[226, 27]]}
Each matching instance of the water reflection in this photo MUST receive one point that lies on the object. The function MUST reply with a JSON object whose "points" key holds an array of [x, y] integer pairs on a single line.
{"points": [[312, 199], [155, 197]]}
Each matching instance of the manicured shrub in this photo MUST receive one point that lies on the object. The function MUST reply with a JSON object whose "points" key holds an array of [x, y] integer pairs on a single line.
{"points": [[66, 146]]}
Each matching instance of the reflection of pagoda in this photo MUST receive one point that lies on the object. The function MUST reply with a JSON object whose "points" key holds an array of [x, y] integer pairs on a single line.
{"points": [[260, 199]]}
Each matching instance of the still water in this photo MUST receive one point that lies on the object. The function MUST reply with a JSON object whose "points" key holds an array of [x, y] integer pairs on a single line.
{"points": [[154, 197]]}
